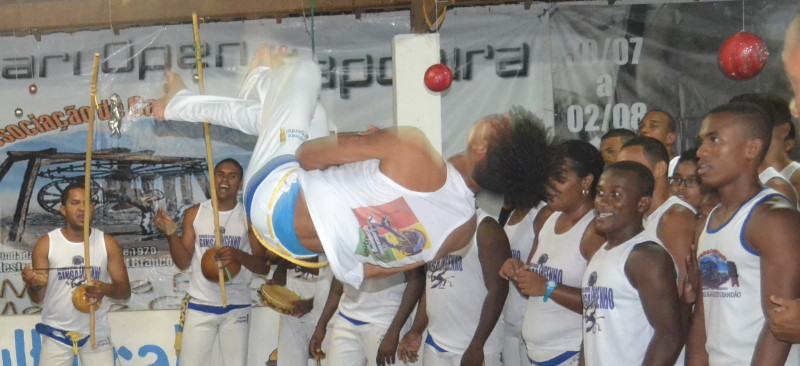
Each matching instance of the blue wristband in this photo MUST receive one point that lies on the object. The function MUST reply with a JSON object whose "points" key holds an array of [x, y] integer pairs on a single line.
{"points": [[551, 286]]}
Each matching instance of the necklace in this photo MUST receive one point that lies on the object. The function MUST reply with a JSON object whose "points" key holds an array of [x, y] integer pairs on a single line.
{"points": [[230, 214]]}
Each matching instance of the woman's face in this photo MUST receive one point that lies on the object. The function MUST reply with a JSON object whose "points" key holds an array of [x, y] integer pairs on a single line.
{"points": [[565, 188], [685, 183]]}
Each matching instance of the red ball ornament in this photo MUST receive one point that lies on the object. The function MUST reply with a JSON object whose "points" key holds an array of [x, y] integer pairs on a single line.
{"points": [[438, 78], [33, 88], [743, 56]]}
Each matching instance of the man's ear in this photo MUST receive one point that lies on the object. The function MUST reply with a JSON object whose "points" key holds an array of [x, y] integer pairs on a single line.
{"points": [[660, 169], [753, 148], [644, 204], [670, 139]]}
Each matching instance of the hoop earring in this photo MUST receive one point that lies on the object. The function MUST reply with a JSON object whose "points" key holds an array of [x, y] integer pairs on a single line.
{"points": [[585, 192]]}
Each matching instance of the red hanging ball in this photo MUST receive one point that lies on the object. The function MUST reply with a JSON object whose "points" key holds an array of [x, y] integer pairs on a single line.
{"points": [[743, 56], [438, 78]]}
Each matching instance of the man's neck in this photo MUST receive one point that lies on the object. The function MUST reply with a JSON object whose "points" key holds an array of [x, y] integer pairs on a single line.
{"points": [[739, 191], [624, 234], [465, 167], [227, 204], [72, 234]]}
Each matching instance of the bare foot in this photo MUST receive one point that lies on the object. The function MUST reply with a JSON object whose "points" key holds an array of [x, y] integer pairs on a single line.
{"points": [[269, 56], [173, 85]]}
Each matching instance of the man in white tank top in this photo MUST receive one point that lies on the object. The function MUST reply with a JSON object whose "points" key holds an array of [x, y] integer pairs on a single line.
{"points": [[749, 248], [349, 195], [632, 312], [206, 320], [670, 219], [58, 270], [785, 320], [296, 327], [367, 322], [463, 302], [771, 170]]}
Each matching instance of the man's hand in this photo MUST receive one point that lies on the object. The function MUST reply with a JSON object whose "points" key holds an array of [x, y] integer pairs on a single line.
{"points": [[173, 85], [691, 283], [408, 350], [529, 283], [96, 290], [302, 307], [315, 344], [387, 349], [226, 255], [34, 278], [473, 356], [165, 223], [784, 320], [510, 267]]}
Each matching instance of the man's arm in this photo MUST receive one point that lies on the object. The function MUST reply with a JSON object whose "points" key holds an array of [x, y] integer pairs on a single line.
{"points": [[785, 188], [773, 233], [334, 295], [39, 260], [677, 231], [493, 249], [415, 286], [181, 248], [120, 286], [784, 320], [408, 351], [650, 269]]}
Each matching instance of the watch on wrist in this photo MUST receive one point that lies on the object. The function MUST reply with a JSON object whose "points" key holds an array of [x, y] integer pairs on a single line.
{"points": [[550, 287]]}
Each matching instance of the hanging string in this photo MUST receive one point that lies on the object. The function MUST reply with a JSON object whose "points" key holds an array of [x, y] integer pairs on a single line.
{"points": [[313, 38], [434, 26], [742, 15]]}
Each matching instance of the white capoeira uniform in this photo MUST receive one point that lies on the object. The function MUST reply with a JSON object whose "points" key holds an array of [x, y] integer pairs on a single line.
{"points": [[770, 173], [651, 224], [59, 316], [520, 237], [363, 317], [730, 272], [455, 293], [207, 321], [294, 334], [553, 333], [616, 329], [360, 215], [789, 170]]}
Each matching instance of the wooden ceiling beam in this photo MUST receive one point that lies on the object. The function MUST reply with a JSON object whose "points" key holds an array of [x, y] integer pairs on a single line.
{"points": [[23, 17]]}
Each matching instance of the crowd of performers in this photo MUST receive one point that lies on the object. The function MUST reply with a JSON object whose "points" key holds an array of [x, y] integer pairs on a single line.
{"points": [[628, 254]]}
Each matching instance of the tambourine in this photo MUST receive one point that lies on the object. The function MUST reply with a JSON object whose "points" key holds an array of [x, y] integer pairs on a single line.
{"points": [[81, 301], [279, 298]]}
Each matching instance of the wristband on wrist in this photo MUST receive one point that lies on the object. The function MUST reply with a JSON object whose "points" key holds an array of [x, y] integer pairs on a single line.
{"points": [[551, 286]]}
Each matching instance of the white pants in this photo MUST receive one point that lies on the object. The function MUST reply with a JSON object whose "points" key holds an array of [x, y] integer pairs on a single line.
{"points": [[514, 351], [352, 344], [281, 106], [202, 330], [293, 339], [55, 353], [433, 357]]}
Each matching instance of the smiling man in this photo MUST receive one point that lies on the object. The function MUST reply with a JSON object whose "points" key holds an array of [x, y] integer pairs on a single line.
{"points": [[748, 249], [632, 313]]}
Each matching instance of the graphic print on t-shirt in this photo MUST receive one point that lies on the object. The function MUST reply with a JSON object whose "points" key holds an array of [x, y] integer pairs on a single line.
{"points": [[594, 299], [390, 232], [717, 272]]}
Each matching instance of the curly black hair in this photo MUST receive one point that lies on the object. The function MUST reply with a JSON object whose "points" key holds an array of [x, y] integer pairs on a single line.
{"points": [[517, 161], [584, 158]]}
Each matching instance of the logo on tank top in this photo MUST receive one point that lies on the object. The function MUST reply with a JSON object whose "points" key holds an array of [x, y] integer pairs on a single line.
{"points": [[515, 253], [718, 275], [551, 273], [75, 276], [208, 241], [439, 269], [595, 298], [390, 232]]}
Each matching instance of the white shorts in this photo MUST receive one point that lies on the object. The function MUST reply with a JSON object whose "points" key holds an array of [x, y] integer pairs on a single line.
{"points": [[434, 357], [55, 353], [230, 331]]}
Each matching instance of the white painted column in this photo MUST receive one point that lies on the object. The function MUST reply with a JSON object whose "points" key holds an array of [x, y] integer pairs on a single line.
{"points": [[414, 104]]}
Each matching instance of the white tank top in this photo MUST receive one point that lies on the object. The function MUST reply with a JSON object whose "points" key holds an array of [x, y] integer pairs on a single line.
{"points": [[731, 276], [67, 257], [362, 216], [455, 293], [376, 302], [234, 223], [789, 170], [768, 174], [520, 236], [616, 329], [651, 222], [551, 329]]}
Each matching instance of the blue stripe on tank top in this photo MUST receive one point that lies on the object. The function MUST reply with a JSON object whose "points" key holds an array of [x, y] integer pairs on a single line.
{"points": [[432, 343]]}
